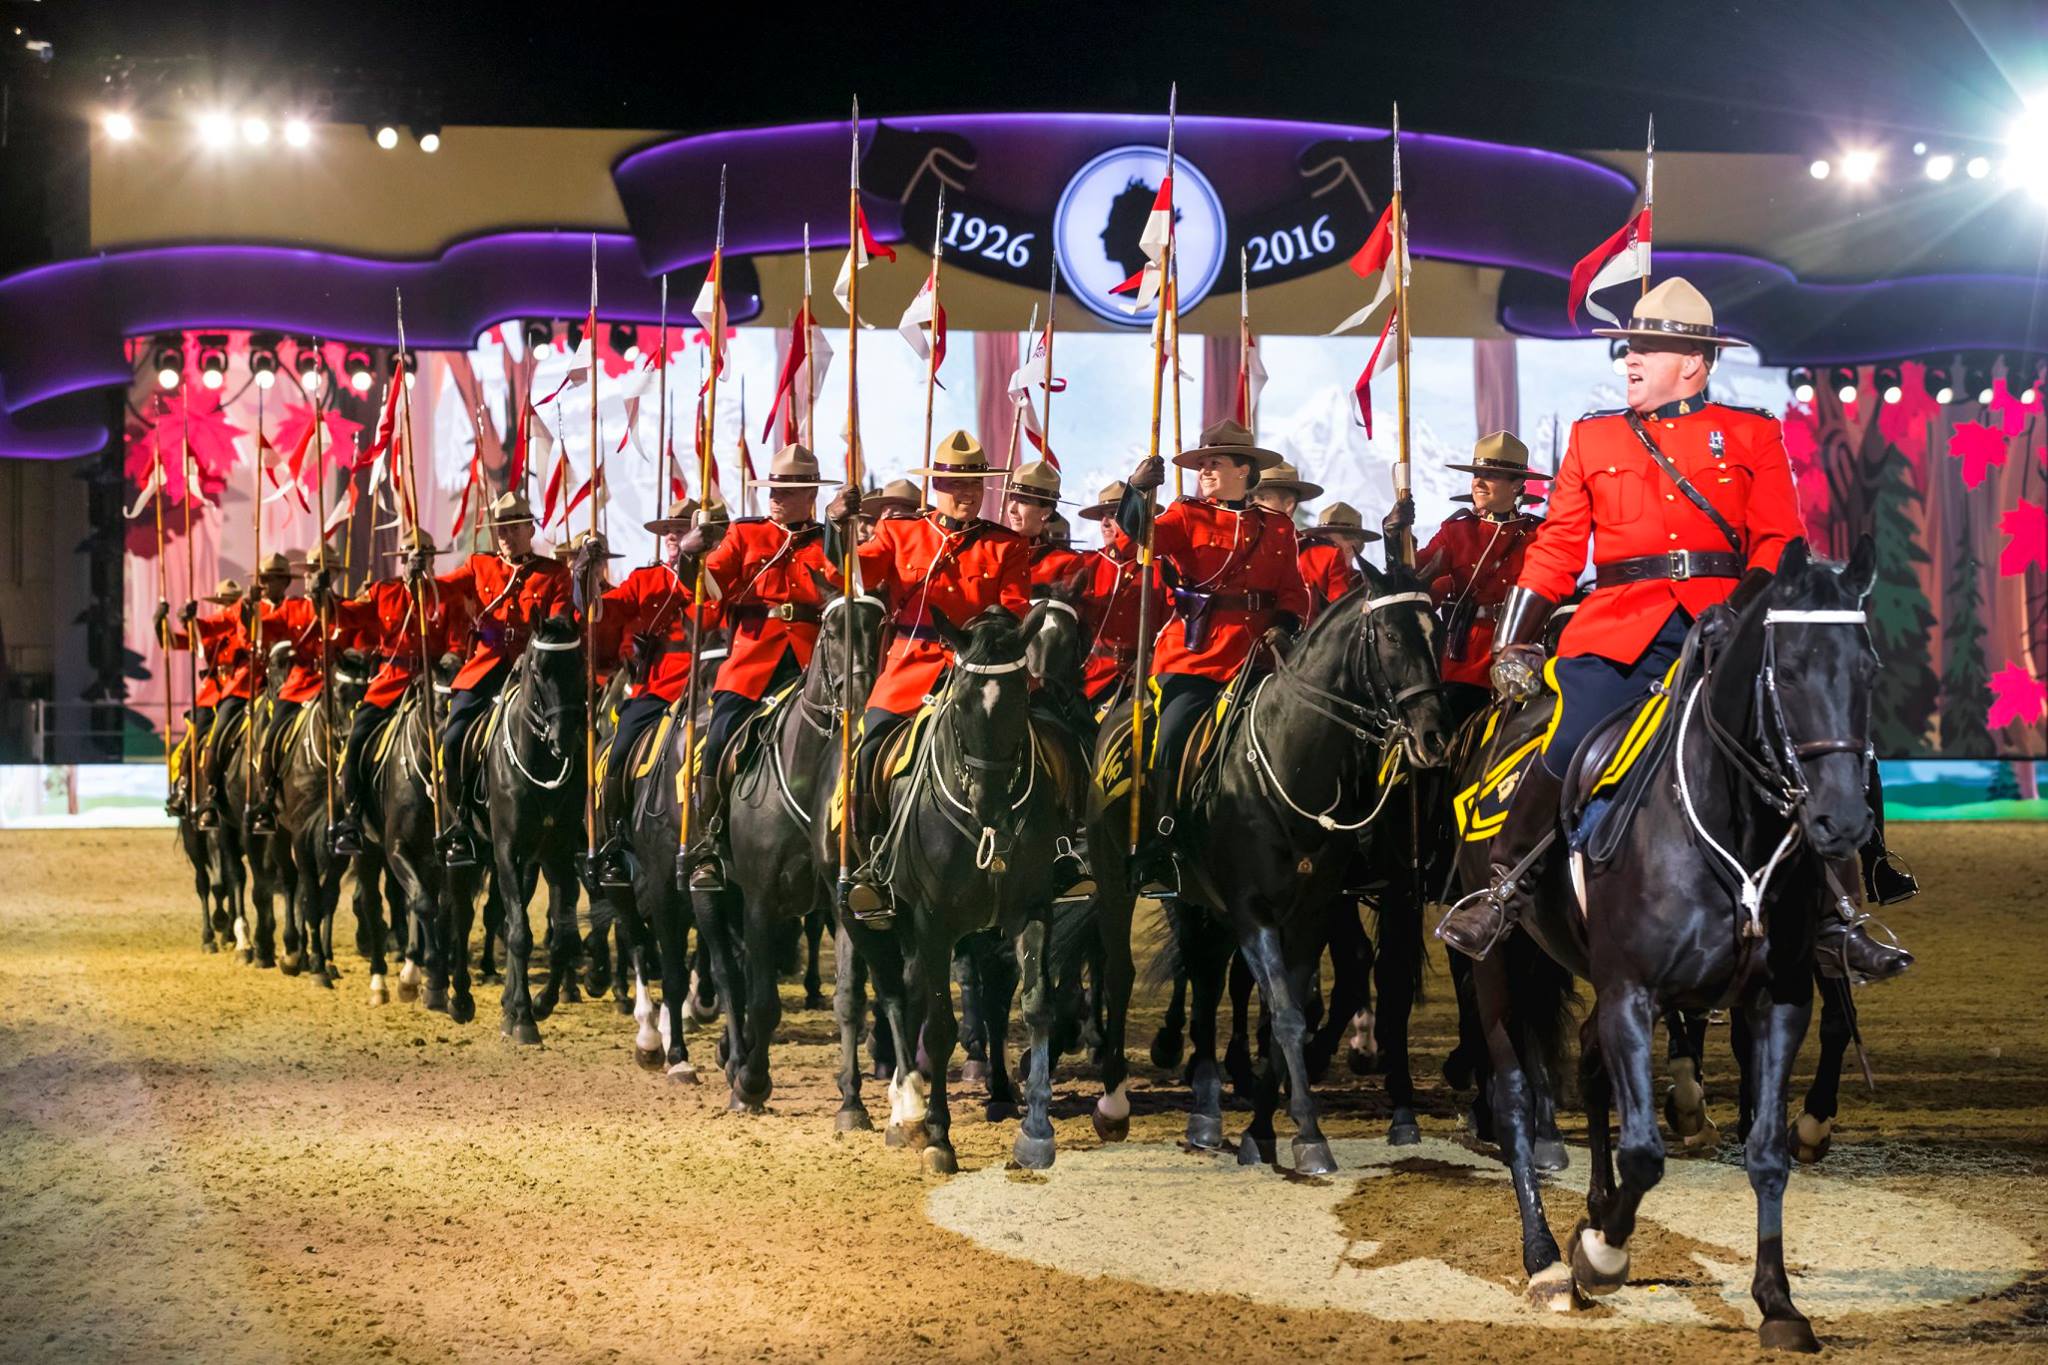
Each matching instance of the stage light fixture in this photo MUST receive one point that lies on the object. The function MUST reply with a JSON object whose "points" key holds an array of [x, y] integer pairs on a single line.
{"points": [[536, 335], [356, 365], [169, 360], [263, 358], [1940, 166], [1820, 170], [1617, 355], [1941, 385], [386, 135], [298, 133], [1860, 165], [255, 131], [1977, 382], [412, 366], [1919, 149], [2026, 148], [625, 339], [1842, 380], [428, 135], [311, 376], [118, 126], [216, 129], [1887, 382], [1977, 167], [1801, 380], [213, 361]]}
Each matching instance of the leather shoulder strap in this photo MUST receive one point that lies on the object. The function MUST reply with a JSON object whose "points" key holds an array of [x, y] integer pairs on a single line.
{"points": [[1685, 485]]}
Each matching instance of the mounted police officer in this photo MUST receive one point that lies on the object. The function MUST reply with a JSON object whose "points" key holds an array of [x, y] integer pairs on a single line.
{"points": [[504, 595], [1109, 600], [1233, 570], [1030, 503], [1329, 554], [220, 637], [949, 559], [1680, 498]]}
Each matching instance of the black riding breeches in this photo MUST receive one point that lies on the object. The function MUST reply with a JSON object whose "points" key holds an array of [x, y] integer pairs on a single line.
{"points": [[464, 706], [355, 761], [1183, 697], [635, 717], [216, 753], [1590, 688]]}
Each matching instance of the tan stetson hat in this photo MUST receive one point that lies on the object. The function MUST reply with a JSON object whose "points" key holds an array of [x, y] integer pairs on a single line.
{"points": [[509, 509], [1501, 456], [1286, 477], [415, 541], [897, 495], [1340, 520], [1526, 499], [274, 565], [567, 549], [1228, 438], [322, 557], [1105, 504], [960, 456], [1035, 482], [794, 467], [1673, 311], [1058, 531], [226, 593], [681, 516]]}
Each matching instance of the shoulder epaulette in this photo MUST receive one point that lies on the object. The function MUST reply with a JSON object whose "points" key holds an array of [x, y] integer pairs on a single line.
{"points": [[1740, 407], [1463, 514], [1602, 412], [747, 521]]}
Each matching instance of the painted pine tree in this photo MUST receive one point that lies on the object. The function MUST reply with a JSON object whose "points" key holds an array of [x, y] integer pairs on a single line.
{"points": [[1901, 618], [1965, 681]]}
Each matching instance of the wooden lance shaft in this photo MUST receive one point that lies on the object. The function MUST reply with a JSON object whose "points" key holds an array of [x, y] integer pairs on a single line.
{"points": [[1143, 675], [848, 564]]}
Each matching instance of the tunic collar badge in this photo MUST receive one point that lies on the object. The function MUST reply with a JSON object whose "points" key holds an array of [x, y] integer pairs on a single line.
{"points": [[1716, 442]]}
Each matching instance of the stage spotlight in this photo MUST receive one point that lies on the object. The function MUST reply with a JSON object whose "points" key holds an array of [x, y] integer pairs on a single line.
{"points": [[386, 135], [311, 376], [412, 366], [1801, 380], [298, 133], [1941, 386], [255, 131], [263, 358], [213, 361], [1860, 165], [1977, 167], [1820, 170], [2026, 148], [118, 126], [356, 365], [536, 335], [1887, 383], [1919, 149], [1977, 382], [625, 339], [429, 137], [1842, 380], [1617, 355], [1940, 166], [169, 360], [216, 129]]}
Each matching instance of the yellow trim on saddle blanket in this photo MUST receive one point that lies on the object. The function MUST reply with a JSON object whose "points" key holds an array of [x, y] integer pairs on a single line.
{"points": [[1640, 731], [903, 748]]}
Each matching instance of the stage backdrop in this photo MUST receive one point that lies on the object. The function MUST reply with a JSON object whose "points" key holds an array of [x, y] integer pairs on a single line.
{"points": [[1953, 496]]}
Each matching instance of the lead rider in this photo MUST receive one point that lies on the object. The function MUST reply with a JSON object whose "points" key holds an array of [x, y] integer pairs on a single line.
{"points": [[1668, 543]]}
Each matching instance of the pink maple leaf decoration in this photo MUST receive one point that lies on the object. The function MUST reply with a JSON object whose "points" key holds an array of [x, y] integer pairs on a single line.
{"points": [[213, 446], [2026, 527], [1904, 423], [2011, 413], [1978, 447], [2017, 697], [339, 436]]}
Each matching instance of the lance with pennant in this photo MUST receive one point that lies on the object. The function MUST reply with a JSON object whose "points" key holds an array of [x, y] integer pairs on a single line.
{"points": [[931, 369], [259, 664], [191, 594], [847, 561], [409, 512], [1144, 662], [163, 595], [714, 283], [594, 606], [1017, 409], [1400, 545]]}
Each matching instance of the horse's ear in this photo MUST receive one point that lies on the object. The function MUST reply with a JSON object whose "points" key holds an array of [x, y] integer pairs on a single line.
{"points": [[1793, 561], [948, 632], [1861, 575]]}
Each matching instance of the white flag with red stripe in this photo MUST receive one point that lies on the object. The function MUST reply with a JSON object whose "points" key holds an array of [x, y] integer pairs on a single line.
{"points": [[1373, 258], [1152, 241], [863, 248], [1383, 358], [1624, 256], [1027, 382], [1251, 381], [923, 324], [343, 509]]}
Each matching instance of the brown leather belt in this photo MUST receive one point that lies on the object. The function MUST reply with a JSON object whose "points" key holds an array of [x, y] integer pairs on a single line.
{"points": [[801, 613], [1123, 654], [1677, 566], [1241, 601]]}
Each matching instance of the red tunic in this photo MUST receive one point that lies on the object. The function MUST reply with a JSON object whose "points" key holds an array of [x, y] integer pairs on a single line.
{"points": [[1329, 570], [1055, 564], [759, 567], [504, 603], [916, 563], [649, 611], [294, 621], [227, 653], [389, 620], [1478, 559], [1610, 492], [1228, 552], [1109, 609]]}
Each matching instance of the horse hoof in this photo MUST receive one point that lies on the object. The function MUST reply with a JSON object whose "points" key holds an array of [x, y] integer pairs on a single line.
{"points": [[1597, 1268], [543, 1005], [941, 1161], [904, 1135], [1205, 1132], [1787, 1334], [462, 1009], [700, 1013], [435, 998], [408, 991], [379, 996], [682, 1073], [209, 947], [816, 1001], [1000, 1111], [647, 1058], [1403, 1131], [623, 1004], [1550, 1289], [490, 978], [1361, 1063], [1252, 1151], [292, 964], [1166, 1049], [1108, 1129], [853, 1120], [1032, 1153], [324, 980], [740, 1104], [974, 1071], [523, 1032], [1313, 1158], [1550, 1156], [1811, 1138], [244, 956]]}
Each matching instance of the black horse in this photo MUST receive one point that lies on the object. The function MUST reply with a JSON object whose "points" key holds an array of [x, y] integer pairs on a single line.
{"points": [[216, 880], [308, 871], [972, 824], [1306, 762], [1709, 899], [774, 790]]}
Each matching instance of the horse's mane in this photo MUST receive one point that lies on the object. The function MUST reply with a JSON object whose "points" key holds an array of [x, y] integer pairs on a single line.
{"points": [[994, 636], [1372, 582]]}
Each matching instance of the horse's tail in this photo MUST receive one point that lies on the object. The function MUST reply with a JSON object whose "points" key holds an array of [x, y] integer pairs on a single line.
{"points": [[1165, 961], [1074, 936], [1542, 998]]}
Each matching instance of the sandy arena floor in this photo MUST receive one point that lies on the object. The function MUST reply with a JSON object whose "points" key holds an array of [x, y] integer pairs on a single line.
{"points": [[205, 1161]]}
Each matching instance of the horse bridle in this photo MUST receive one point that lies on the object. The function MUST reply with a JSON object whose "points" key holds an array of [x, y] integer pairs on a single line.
{"points": [[1779, 774], [1378, 718], [806, 708]]}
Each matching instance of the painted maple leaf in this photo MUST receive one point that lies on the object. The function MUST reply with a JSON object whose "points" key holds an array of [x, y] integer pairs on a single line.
{"points": [[213, 439], [2017, 697], [1979, 447], [1905, 423], [2011, 413], [2026, 529]]}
